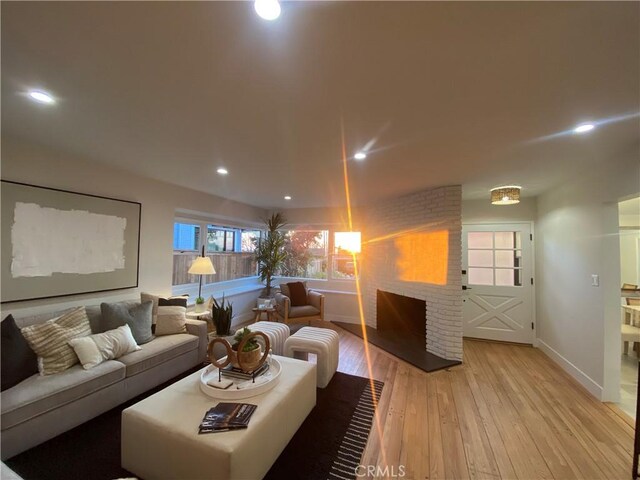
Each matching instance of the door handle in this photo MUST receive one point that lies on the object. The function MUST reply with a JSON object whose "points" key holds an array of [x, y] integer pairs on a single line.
{"points": [[464, 287]]}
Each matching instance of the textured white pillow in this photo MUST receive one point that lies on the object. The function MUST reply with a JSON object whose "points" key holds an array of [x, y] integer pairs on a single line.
{"points": [[95, 349], [171, 320]]}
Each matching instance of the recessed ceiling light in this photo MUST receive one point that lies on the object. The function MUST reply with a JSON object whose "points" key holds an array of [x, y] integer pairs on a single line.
{"points": [[585, 127], [360, 156], [222, 171], [287, 197], [267, 9], [41, 97]]}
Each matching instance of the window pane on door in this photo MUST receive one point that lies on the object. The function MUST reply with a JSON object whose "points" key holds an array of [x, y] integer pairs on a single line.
{"points": [[507, 239], [508, 277], [480, 258], [480, 276], [480, 240], [508, 258]]}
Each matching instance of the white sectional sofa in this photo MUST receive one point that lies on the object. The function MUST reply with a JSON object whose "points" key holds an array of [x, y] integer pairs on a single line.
{"points": [[41, 407]]}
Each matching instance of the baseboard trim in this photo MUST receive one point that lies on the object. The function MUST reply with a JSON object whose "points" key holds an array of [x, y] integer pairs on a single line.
{"points": [[582, 378], [332, 317]]}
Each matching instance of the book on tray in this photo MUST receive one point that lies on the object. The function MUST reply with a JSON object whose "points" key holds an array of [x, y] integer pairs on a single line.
{"points": [[227, 416], [231, 372]]}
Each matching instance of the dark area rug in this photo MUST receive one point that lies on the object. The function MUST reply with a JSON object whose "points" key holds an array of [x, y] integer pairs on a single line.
{"points": [[410, 350], [327, 439]]}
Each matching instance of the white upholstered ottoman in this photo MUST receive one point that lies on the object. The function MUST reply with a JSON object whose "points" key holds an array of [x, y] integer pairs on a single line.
{"points": [[277, 333], [324, 342], [160, 433]]}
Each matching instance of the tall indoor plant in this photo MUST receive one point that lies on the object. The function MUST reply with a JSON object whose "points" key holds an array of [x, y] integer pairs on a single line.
{"points": [[270, 252]]}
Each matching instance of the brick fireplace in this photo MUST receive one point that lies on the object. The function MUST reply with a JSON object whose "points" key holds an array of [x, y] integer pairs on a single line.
{"points": [[412, 248]]}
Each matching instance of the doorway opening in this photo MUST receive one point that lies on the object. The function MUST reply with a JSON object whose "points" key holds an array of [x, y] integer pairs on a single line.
{"points": [[629, 231]]}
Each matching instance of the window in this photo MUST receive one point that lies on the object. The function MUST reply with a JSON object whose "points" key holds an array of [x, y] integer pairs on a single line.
{"points": [[249, 240], [306, 254], [232, 251], [342, 262], [221, 239], [186, 236], [494, 258]]}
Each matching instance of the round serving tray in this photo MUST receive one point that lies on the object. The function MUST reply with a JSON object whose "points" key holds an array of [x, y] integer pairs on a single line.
{"points": [[232, 393]]}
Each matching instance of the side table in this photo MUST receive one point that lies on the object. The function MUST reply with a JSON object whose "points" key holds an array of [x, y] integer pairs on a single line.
{"points": [[198, 315], [271, 313]]}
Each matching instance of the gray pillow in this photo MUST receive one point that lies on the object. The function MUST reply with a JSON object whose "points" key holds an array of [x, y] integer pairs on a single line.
{"points": [[137, 315]]}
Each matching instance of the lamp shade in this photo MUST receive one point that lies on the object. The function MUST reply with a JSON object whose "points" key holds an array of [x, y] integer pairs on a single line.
{"points": [[507, 195], [348, 241], [202, 266]]}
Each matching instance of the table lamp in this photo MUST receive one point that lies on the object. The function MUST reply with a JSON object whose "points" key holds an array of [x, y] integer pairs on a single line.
{"points": [[201, 266]]}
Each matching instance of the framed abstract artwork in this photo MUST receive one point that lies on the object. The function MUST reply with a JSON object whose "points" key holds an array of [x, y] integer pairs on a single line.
{"points": [[56, 242]]}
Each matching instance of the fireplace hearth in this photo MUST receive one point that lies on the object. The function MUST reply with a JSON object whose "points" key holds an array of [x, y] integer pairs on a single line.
{"points": [[401, 331]]}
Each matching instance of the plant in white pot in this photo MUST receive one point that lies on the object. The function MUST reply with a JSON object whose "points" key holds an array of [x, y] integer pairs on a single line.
{"points": [[199, 308]]}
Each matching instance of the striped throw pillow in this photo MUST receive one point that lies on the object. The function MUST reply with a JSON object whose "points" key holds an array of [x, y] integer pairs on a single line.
{"points": [[50, 340]]}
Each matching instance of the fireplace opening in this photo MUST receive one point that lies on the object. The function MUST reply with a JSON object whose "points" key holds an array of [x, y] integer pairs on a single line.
{"points": [[402, 316]]}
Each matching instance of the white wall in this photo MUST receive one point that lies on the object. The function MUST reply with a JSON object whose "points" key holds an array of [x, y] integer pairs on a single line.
{"points": [[481, 211], [629, 260], [160, 201], [577, 235]]}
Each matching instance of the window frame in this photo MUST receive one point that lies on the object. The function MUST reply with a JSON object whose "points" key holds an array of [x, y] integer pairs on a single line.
{"points": [[204, 226]]}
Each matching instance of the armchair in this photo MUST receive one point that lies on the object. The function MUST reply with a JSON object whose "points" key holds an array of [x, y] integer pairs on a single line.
{"points": [[314, 310]]}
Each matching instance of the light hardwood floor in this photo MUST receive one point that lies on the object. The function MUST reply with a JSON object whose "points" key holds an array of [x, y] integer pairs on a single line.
{"points": [[507, 412]]}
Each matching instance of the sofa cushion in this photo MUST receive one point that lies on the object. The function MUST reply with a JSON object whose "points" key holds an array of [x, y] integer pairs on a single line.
{"points": [[304, 311], [93, 313], [40, 394], [137, 315], [49, 340], [18, 360], [159, 350]]}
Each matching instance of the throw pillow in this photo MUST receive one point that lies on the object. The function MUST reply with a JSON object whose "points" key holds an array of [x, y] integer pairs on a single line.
{"points": [[171, 316], [145, 297], [298, 294], [95, 349], [50, 340], [138, 316], [18, 360]]}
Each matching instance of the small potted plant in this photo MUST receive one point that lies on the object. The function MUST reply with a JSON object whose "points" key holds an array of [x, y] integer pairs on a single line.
{"points": [[221, 317], [199, 305], [251, 354]]}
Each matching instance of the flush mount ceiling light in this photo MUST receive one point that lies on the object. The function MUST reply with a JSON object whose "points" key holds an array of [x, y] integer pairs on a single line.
{"points": [[267, 9], [584, 128], [506, 195], [287, 197], [41, 97], [222, 171], [360, 156]]}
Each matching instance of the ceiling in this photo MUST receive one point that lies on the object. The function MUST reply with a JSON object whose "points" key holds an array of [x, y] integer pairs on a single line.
{"points": [[440, 93]]}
